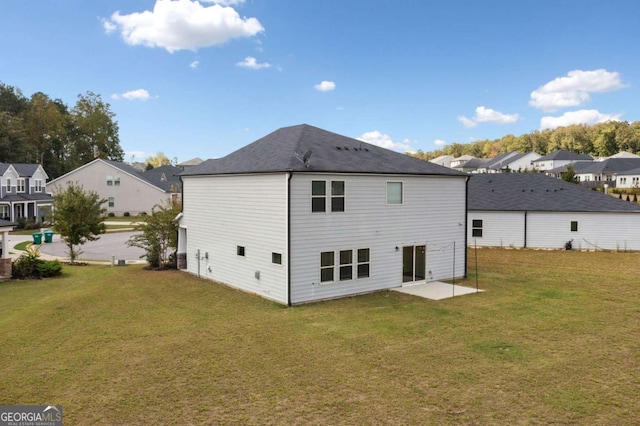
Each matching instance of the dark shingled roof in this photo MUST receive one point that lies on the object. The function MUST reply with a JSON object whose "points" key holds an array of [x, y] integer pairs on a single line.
{"points": [[25, 170], [562, 154], [537, 192], [165, 177], [284, 149]]}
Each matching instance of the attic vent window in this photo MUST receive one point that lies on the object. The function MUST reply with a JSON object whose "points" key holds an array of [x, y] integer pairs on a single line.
{"points": [[338, 148], [346, 148]]}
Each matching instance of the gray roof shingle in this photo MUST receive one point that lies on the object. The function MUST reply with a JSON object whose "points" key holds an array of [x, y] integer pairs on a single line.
{"points": [[283, 150], [562, 154], [537, 192], [166, 177]]}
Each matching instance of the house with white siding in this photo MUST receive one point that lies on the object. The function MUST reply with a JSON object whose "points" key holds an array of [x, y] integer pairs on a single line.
{"points": [[559, 158], [22, 192], [126, 189], [304, 214], [628, 179], [531, 210]]}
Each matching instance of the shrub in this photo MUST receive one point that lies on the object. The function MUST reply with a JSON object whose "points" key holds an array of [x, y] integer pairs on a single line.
{"points": [[143, 213], [29, 265], [111, 214], [126, 214], [49, 268]]}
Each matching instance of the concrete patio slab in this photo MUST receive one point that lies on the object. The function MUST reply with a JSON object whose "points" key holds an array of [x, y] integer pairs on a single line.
{"points": [[436, 290]]}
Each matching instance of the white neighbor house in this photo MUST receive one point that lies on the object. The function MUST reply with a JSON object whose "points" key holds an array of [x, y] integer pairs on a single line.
{"points": [[304, 214], [531, 210], [126, 189]]}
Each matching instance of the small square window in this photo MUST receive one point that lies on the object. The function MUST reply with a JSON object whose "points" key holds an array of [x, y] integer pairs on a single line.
{"points": [[574, 226], [240, 250], [276, 258]]}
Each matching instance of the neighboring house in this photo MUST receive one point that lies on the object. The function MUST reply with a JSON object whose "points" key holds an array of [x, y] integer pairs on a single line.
{"points": [[460, 161], [496, 164], [517, 163], [598, 171], [443, 160], [189, 163], [126, 189], [628, 179], [558, 159], [304, 214], [536, 211], [22, 192]]}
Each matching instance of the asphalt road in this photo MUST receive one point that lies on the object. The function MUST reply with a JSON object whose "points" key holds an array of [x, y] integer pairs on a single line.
{"points": [[111, 244]]}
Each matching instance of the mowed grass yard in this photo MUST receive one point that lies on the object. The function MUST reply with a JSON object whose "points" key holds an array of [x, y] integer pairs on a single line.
{"points": [[554, 339]]}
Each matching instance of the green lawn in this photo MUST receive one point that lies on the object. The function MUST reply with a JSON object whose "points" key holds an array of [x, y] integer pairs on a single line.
{"points": [[554, 339]]}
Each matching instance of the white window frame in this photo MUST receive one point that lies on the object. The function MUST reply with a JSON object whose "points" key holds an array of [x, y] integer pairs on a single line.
{"points": [[116, 181], [20, 185], [8, 184], [37, 185], [5, 210], [344, 264], [401, 183], [331, 266], [111, 201], [329, 196], [360, 263], [109, 180]]}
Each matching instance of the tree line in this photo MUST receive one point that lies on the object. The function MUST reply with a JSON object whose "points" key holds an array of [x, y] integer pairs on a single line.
{"points": [[598, 140], [41, 130]]}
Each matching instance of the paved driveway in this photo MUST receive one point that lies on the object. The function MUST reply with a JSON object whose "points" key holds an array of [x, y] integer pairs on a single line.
{"points": [[111, 244]]}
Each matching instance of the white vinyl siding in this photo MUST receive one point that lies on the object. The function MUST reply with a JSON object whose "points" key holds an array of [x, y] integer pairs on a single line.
{"points": [[551, 230], [433, 214], [224, 212], [133, 194], [499, 229]]}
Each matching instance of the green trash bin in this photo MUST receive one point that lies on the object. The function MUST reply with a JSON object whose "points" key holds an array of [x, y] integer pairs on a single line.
{"points": [[37, 238], [48, 236]]}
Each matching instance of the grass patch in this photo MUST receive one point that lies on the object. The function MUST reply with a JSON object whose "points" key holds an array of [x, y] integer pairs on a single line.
{"points": [[552, 340], [22, 246]]}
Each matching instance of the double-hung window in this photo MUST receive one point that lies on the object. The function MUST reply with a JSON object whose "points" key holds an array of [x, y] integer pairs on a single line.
{"points": [[346, 265], [476, 228], [116, 181], [20, 184], [37, 183], [363, 263], [112, 202], [109, 180], [8, 184], [327, 266], [320, 194]]}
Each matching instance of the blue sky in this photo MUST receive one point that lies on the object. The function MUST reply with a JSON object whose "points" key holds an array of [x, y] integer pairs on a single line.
{"points": [[202, 79]]}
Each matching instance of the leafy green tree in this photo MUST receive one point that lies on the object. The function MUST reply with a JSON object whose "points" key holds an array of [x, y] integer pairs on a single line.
{"points": [[159, 234], [95, 132], [570, 175], [43, 123], [78, 216]]}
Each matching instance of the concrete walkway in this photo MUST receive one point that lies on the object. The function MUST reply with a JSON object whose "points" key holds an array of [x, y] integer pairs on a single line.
{"points": [[436, 290]]}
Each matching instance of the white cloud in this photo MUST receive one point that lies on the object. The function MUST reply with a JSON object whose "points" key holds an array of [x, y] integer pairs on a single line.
{"points": [[133, 95], [466, 121], [225, 2], [252, 63], [488, 115], [574, 89], [325, 86], [439, 142], [383, 140], [182, 24], [583, 116], [194, 64]]}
